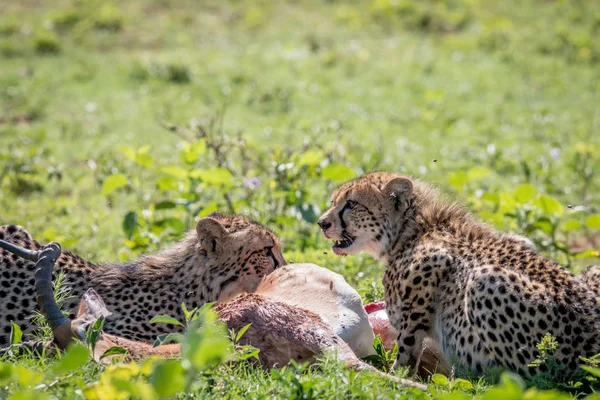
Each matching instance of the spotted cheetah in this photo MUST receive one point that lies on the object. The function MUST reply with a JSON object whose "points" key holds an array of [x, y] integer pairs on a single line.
{"points": [[591, 277], [225, 255], [486, 297]]}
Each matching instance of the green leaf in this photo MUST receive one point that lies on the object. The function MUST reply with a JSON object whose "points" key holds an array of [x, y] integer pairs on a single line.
{"points": [[311, 158], [144, 160], [588, 253], [16, 335], [593, 221], [206, 343], [130, 224], [439, 379], [549, 205], [186, 313], [128, 152], [113, 351], [75, 357], [337, 172], [192, 151], [241, 332], [477, 173], [592, 370], [168, 378], [167, 183], [461, 384], [458, 180], [545, 225], [571, 225], [113, 182], [93, 333], [165, 205], [165, 319], [175, 171], [166, 338], [213, 176], [524, 193], [491, 197]]}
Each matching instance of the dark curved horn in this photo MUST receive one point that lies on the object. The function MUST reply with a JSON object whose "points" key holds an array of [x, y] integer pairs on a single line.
{"points": [[43, 285], [30, 255]]}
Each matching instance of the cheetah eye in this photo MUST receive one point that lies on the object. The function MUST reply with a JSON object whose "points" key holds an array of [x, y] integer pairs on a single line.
{"points": [[269, 252], [351, 204]]}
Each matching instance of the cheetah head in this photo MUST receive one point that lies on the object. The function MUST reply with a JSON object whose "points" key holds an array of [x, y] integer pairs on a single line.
{"points": [[238, 253], [366, 213]]}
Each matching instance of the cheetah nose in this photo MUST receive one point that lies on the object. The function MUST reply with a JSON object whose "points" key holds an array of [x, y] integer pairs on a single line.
{"points": [[324, 224]]}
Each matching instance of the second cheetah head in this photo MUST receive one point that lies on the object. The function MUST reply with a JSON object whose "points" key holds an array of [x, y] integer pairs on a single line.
{"points": [[367, 212]]}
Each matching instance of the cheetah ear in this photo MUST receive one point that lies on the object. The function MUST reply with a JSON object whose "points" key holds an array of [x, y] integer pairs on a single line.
{"points": [[210, 233], [399, 189]]}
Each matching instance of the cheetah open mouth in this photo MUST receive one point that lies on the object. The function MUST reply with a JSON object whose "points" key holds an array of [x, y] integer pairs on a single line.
{"points": [[347, 241]]}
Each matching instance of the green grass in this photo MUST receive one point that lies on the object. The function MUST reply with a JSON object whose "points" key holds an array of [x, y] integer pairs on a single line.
{"points": [[478, 97]]}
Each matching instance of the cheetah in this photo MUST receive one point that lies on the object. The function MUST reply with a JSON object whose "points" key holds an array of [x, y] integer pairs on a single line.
{"points": [[226, 255], [486, 297], [591, 277]]}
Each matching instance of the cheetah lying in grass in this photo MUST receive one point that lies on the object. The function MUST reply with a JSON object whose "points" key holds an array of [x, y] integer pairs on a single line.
{"points": [[486, 297], [225, 256]]}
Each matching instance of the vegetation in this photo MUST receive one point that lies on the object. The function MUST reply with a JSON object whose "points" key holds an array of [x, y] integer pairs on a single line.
{"points": [[122, 122]]}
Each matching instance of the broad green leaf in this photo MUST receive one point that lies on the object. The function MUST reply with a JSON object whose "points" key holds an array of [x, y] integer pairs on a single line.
{"points": [[144, 160], [311, 158], [168, 378], [165, 319], [524, 193], [130, 224], [175, 171], [113, 182], [206, 343], [6, 372], [16, 335], [549, 205], [571, 225], [461, 384], [213, 176], [167, 183], [26, 377], [458, 180], [477, 173], [75, 357], [192, 151], [491, 197], [113, 351], [165, 205], [128, 152], [439, 379], [337, 172], [593, 221], [544, 224]]}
